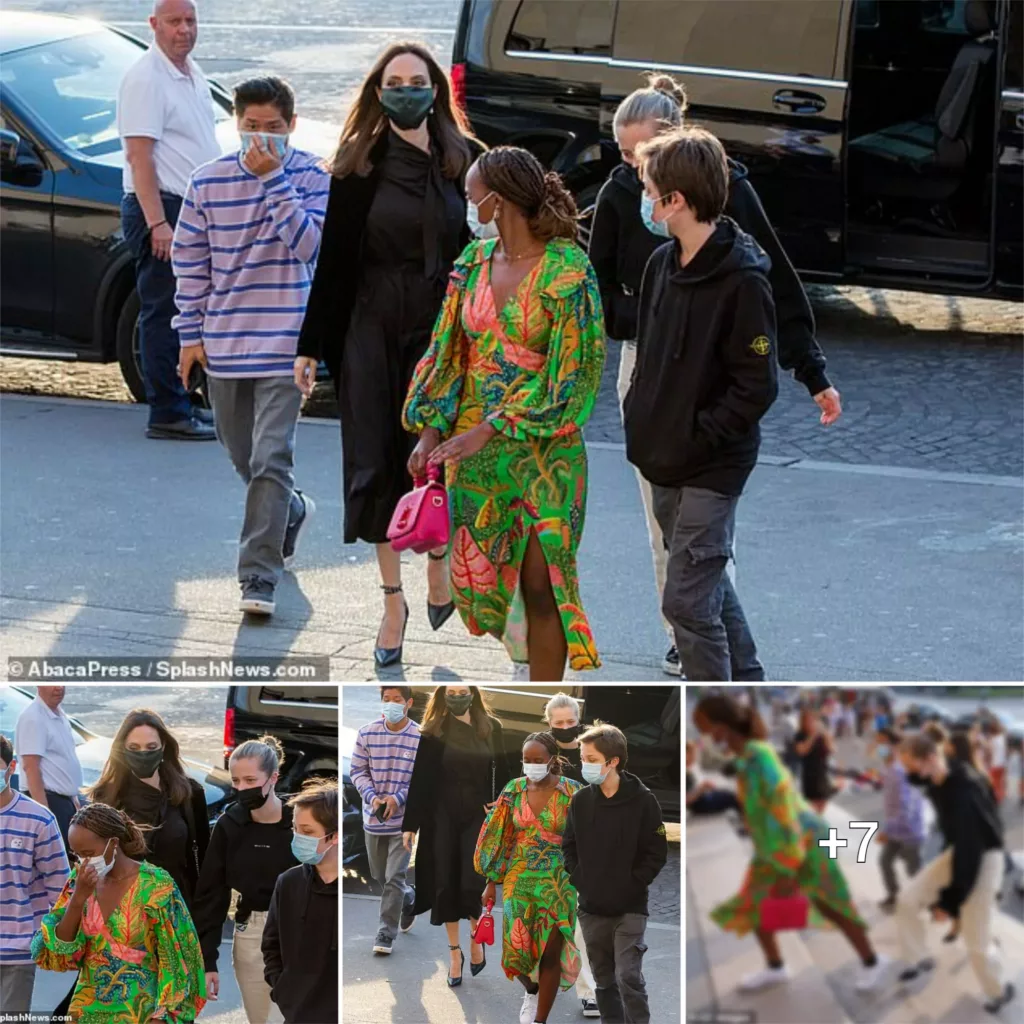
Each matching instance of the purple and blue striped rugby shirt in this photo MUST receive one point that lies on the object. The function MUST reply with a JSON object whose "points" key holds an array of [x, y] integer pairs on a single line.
{"points": [[382, 763], [244, 253], [33, 870]]}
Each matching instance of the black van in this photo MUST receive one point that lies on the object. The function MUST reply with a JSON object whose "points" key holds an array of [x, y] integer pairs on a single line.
{"points": [[886, 139]]}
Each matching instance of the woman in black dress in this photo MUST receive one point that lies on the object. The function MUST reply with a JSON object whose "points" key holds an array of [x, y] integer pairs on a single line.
{"points": [[144, 778], [395, 222], [813, 745], [460, 770]]}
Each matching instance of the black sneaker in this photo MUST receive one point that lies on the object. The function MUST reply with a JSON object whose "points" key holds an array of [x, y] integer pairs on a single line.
{"points": [[912, 972], [995, 1005], [294, 531], [888, 905], [671, 666], [191, 429], [408, 918], [257, 596], [383, 943], [590, 1008]]}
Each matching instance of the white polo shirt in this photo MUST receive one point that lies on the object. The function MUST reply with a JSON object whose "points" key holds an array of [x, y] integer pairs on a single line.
{"points": [[157, 101], [49, 734]]}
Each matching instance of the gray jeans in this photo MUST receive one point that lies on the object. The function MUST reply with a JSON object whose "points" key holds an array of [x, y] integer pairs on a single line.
{"points": [[255, 420], [714, 640], [616, 949], [909, 853], [389, 862], [16, 981]]}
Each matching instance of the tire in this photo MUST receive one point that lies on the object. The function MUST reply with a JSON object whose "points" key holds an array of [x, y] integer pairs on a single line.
{"points": [[128, 355]]}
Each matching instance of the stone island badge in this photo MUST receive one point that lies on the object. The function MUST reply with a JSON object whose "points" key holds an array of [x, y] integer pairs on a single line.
{"points": [[761, 345]]}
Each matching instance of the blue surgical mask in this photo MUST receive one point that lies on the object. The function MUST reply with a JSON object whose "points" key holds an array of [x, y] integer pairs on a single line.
{"points": [[3, 782], [659, 227], [277, 144], [883, 750], [536, 772], [305, 848], [483, 231], [393, 712], [592, 773]]}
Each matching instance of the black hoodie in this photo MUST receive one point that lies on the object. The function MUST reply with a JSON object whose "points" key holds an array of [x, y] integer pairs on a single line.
{"points": [[706, 370], [614, 847], [970, 824], [621, 245], [300, 947]]}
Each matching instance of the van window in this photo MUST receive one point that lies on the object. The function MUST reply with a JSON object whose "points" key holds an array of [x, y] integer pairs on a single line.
{"points": [[569, 26], [784, 37]]}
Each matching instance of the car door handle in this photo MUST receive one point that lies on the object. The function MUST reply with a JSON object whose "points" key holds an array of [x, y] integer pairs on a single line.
{"points": [[795, 101]]}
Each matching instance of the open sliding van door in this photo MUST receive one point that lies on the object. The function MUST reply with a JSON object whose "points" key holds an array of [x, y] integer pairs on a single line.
{"points": [[766, 79]]}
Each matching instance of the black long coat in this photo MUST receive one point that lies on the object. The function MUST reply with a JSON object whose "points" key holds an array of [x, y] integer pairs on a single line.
{"points": [[421, 808]]}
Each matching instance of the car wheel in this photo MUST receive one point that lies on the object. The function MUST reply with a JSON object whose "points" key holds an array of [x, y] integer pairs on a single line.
{"points": [[128, 355]]}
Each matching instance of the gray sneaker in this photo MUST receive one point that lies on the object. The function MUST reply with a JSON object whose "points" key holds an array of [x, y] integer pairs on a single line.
{"points": [[257, 596], [383, 943], [294, 531]]}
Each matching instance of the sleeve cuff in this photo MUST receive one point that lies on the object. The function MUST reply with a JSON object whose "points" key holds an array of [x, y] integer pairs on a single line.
{"points": [[816, 381]]}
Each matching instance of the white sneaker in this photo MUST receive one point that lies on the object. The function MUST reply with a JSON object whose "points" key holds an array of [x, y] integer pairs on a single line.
{"points": [[528, 1011], [762, 979], [871, 977]]}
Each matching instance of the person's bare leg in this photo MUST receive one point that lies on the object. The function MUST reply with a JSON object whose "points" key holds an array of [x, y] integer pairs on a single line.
{"points": [[550, 974], [769, 946], [438, 589], [855, 934], [545, 635], [452, 928], [389, 561]]}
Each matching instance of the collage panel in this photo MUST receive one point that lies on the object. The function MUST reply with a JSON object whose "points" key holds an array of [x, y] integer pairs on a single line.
{"points": [[511, 853], [854, 854], [169, 853]]}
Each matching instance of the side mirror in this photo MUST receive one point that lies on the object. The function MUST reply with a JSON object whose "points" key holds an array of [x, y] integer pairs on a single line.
{"points": [[19, 164], [9, 144]]}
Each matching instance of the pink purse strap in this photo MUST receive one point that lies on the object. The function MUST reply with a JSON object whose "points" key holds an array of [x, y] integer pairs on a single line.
{"points": [[433, 476]]}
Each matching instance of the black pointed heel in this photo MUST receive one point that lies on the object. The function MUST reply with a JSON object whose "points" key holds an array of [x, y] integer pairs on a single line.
{"points": [[439, 614], [456, 982], [475, 969], [385, 657]]}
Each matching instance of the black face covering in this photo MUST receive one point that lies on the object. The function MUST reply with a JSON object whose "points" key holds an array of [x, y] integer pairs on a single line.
{"points": [[144, 762], [407, 105], [459, 705], [917, 780], [566, 735], [252, 799]]}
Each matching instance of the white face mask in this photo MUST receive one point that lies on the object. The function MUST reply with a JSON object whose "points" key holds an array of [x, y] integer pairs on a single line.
{"points": [[536, 772], [101, 866], [483, 231]]}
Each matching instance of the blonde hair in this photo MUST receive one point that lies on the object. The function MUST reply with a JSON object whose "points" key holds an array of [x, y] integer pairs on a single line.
{"points": [[561, 700], [266, 751], [663, 100]]}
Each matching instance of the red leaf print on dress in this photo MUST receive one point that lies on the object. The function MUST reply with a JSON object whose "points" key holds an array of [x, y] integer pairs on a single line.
{"points": [[95, 925], [470, 568], [520, 936]]}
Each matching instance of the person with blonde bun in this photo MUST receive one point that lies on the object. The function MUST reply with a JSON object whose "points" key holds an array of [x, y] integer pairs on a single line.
{"points": [[620, 246]]}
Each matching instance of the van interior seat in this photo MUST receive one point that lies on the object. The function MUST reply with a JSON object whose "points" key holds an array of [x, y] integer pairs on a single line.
{"points": [[930, 152]]}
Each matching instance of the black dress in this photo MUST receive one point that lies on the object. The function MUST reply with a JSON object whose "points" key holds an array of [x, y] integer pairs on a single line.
{"points": [[814, 771], [454, 775]]}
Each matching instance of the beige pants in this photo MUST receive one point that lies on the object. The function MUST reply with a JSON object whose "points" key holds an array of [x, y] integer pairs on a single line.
{"points": [[627, 362], [247, 958], [585, 981], [976, 915]]}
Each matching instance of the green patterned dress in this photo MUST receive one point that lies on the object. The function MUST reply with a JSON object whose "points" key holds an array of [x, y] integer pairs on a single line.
{"points": [[523, 854], [143, 963], [785, 832], [533, 370]]}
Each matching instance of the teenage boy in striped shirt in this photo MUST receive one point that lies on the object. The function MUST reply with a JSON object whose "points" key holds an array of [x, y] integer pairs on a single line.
{"points": [[33, 870], [244, 252], [382, 763]]}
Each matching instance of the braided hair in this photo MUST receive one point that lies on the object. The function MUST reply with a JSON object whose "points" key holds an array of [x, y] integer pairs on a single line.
{"points": [[109, 823], [519, 177], [723, 709], [550, 744]]}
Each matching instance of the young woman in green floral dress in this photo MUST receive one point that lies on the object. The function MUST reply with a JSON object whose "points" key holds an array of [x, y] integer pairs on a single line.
{"points": [[520, 847], [787, 858], [501, 396], [124, 926]]}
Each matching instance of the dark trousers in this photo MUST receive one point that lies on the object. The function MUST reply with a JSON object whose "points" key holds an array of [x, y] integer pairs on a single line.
{"points": [[615, 947], [712, 635], [715, 801], [909, 853], [63, 808], [154, 280]]}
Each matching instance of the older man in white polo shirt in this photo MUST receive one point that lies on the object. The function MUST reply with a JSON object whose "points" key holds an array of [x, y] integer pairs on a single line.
{"points": [[165, 120], [44, 743]]}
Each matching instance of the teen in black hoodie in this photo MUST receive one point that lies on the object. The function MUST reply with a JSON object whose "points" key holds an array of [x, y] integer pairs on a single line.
{"points": [[621, 245], [614, 845], [705, 375], [300, 939]]}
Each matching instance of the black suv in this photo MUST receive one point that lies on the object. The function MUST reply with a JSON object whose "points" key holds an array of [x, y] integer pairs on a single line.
{"points": [[886, 140], [303, 718]]}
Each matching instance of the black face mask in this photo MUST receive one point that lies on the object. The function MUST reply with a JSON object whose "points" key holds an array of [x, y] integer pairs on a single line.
{"points": [[252, 799], [459, 705], [917, 780], [566, 735], [407, 105], [144, 762]]}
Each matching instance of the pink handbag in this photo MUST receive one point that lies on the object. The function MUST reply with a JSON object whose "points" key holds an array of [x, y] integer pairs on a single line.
{"points": [[784, 913], [421, 521]]}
